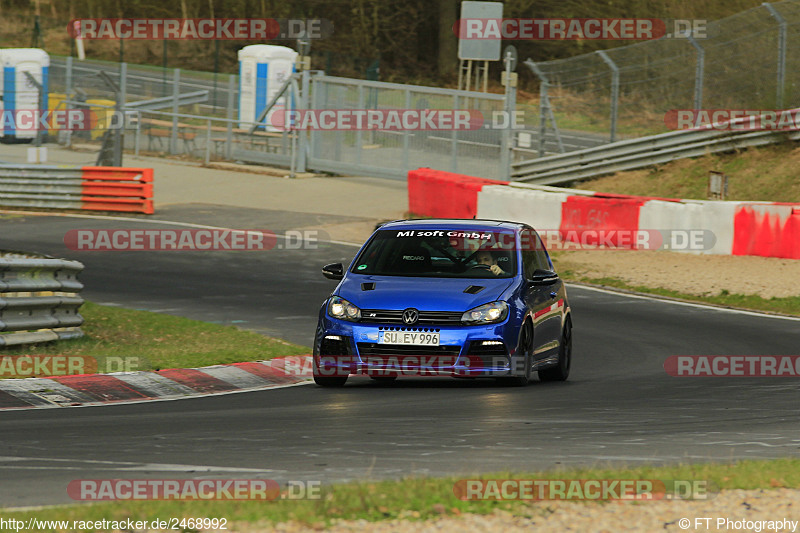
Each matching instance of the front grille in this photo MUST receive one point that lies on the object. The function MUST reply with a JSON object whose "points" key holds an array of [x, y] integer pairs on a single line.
{"points": [[372, 348], [385, 316]]}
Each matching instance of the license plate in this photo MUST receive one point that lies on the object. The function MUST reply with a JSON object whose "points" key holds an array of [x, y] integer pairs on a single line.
{"points": [[417, 338]]}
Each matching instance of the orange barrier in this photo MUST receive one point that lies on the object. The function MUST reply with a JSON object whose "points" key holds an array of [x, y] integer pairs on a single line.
{"points": [[118, 189]]}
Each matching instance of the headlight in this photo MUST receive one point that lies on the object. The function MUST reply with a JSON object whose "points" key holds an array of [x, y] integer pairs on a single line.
{"points": [[486, 313], [343, 310]]}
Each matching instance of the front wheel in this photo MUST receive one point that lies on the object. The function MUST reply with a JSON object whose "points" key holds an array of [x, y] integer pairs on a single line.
{"points": [[560, 372], [326, 381]]}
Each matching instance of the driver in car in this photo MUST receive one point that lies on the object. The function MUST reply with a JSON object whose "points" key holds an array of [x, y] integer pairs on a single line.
{"points": [[485, 257]]}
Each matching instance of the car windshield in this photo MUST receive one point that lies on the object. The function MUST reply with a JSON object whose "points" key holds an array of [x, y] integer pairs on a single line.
{"points": [[439, 253]]}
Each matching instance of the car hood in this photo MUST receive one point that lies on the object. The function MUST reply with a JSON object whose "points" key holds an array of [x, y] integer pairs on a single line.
{"points": [[426, 294]]}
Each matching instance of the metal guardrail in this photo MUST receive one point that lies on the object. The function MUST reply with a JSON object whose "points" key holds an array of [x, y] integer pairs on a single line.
{"points": [[46, 186], [60, 187], [39, 300], [643, 152]]}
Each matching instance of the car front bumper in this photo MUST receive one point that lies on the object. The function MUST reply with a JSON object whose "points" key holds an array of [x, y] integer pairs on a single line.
{"points": [[351, 348]]}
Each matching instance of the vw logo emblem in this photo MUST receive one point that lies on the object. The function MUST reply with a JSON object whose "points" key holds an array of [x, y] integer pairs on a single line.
{"points": [[410, 316]]}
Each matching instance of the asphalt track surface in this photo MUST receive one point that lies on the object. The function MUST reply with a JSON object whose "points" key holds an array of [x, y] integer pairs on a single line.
{"points": [[619, 406]]}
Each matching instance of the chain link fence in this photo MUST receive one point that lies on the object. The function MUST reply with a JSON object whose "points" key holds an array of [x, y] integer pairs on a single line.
{"points": [[746, 61]]}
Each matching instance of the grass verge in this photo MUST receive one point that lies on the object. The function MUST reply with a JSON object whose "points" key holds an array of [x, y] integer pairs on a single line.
{"points": [[163, 341], [416, 498], [766, 173]]}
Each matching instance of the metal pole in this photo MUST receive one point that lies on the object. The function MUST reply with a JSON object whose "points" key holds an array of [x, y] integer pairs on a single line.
{"points": [[305, 88], [68, 97], [173, 140], [229, 133], [543, 103], [781, 53], [614, 93], [123, 84], [454, 140], [698, 73], [138, 134], [505, 135], [208, 141], [359, 136], [406, 163]]}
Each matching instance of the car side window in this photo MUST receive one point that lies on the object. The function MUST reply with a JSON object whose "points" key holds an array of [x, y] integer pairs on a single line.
{"points": [[534, 255]]}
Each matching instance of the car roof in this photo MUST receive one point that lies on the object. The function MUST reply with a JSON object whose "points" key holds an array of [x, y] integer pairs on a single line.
{"points": [[454, 224]]}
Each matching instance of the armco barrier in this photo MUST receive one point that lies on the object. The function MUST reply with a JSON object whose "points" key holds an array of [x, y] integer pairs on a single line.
{"points": [[91, 188], [436, 193], [39, 300]]}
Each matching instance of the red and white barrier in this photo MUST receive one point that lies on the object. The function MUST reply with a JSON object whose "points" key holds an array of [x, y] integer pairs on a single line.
{"points": [[767, 230], [440, 194], [734, 228]]}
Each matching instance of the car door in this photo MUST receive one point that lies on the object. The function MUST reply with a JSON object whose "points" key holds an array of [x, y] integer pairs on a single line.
{"points": [[542, 300]]}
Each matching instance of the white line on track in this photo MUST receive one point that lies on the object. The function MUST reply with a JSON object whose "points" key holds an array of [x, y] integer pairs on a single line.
{"points": [[687, 304]]}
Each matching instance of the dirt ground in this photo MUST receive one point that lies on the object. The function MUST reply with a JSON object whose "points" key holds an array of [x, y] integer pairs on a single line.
{"points": [[702, 275], [739, 510]]}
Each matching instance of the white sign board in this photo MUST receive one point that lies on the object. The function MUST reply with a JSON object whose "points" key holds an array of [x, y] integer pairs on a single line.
{"points": [[479, 49]]}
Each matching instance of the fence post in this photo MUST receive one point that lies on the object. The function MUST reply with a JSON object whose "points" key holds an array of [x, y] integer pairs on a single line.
{"points": [[406, 162], [229, 134], [123, 84], [305, 87], [173, 139], [359, 136], [614, 93], [507, 135], [454, 140], [781, 52], [68, 98], [698, 73], [208, 142], [544, 103]]}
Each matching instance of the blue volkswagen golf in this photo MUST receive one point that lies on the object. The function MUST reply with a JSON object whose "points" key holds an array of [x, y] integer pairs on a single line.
{"points": [[439, 297]]}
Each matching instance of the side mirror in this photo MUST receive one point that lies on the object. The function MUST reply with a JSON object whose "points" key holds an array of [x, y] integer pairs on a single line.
{"points": [[542, 277], [333, 271]]}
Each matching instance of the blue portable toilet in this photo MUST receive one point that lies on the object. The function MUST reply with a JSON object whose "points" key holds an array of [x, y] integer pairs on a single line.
{"points": [[16, 90], [263, 69]]}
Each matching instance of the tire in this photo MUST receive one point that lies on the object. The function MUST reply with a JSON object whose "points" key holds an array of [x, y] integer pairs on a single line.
{"points": [[560, 372], [526, 345], [325, 381]]}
